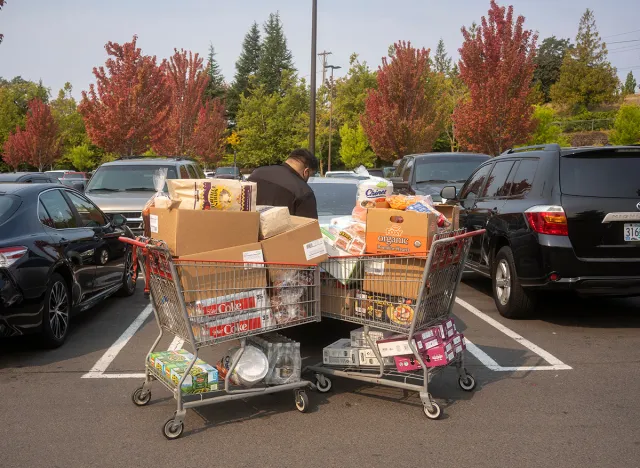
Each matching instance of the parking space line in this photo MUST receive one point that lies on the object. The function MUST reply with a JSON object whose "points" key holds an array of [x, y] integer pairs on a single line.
{"points": [[555, 363], [176, 344], [97, 371]]}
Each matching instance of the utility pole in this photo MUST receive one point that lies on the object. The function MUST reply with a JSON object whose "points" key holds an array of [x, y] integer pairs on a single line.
{"points": [[333, 67], [324, 54], [312, 103]]}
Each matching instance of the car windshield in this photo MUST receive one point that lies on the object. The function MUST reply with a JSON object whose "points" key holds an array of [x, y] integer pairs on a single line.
{"points": [[8, 205], [74, 175], [605, 174], [56, 175], [334, 199], [227, 171], [119, 178], [446, 169]]}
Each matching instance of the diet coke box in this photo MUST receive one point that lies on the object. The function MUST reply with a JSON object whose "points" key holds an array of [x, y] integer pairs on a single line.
{"points": [[394, 346], [246, 300]]}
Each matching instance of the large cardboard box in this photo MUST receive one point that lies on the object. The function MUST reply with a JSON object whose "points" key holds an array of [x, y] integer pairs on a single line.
{"points": [[188, 232], [207, 275], [398, 277], [384, 309], [399, 232], [336, 299], [302, 244]]}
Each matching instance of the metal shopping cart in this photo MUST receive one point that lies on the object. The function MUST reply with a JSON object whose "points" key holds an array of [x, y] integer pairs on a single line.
{"points": [[373, 291], [207, 303]]}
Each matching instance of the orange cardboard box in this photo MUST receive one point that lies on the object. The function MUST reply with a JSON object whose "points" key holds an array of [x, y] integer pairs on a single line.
{"points": [[399, 232]]}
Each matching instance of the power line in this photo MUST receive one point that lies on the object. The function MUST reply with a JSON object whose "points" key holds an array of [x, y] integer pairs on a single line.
{"points": [[621, 34], [629, 68], [622, 42], [628, 49]]}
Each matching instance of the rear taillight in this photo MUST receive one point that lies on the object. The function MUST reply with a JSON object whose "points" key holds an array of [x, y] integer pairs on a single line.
{"points": [[547, 220], [10, 255]]}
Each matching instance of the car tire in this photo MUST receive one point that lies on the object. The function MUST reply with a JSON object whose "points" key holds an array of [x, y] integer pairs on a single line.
{"points": [[512, 300], [129, 281], [56, 312]]}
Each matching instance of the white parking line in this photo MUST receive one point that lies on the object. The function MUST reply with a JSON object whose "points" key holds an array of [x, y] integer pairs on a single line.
{"points": [[555, 363], [176, 344], [97, 371]]}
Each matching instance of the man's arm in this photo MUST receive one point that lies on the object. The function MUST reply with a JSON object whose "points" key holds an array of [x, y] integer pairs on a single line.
{"points": [[306, 206]]}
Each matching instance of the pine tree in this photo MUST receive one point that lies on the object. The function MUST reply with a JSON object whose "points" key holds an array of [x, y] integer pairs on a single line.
{"points": [[246, 66], [275, 56], [216, 87], [441, 61], [630, 84]]}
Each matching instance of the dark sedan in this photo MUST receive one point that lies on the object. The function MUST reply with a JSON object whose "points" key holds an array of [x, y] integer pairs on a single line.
{"points": [[59, 254], [27, 178]]}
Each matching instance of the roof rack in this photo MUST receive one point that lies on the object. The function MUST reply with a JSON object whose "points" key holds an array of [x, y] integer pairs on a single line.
{"points": [[547, 147], [177, 158]]}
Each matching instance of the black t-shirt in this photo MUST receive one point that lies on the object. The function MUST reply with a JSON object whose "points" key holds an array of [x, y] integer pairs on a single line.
{"points": [[282, 186]]}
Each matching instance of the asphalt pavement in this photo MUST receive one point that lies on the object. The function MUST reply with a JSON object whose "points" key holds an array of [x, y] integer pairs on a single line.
{"points": [[557, 391]]}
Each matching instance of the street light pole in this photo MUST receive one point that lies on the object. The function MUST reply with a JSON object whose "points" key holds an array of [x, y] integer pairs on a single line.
{"points": [[333, 67], [312, 103]]}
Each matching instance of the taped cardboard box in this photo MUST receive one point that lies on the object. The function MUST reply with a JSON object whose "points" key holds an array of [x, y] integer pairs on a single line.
{"points": [[189, 232], [398, 277], [336, 299], [203, 279], [399, 232], [301, 245]]}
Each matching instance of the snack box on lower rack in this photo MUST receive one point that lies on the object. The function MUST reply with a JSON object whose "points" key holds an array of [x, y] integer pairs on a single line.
{"points": [[171, 365], [358, 339], [161, 359], [366, 358], [340, 353]]}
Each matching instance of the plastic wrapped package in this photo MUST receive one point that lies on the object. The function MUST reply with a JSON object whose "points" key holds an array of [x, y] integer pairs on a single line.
{"points": [[283, 354], [288, 294], [423, 207], [213, 194], [274, 220], [347, 235], [251, 369], [370, 192], [159, 179]]}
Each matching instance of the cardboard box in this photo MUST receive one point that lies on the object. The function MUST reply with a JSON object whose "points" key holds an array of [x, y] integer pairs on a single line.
{"points": [[359, 341], [459, 344], [382, 308], [395, 346], [302, 244], [336, 299], [399, 232], [398, 277], [342, 270], [202, 377], [221, 327], [367, 358], [188, 232], [202, 281], [408, 363], [441, 355], [340, 353], [452, 213]]}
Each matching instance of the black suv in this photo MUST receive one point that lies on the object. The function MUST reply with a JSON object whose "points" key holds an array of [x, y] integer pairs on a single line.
{"points": [[427, 174], [555, 219]]}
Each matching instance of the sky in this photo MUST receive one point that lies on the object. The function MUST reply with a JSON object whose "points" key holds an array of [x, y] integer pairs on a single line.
{"points": [[62, 40]]}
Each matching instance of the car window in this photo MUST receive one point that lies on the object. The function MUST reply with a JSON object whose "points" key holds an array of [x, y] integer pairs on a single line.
{"points": [[497, 181], [591, 174], [60, 215], [199, 172], [183, 172], [406, 172], [90, 216], [8, 205], [400, 168], [132, 177], [334, 199], [192, 172], [523, 178], [472, 188]]}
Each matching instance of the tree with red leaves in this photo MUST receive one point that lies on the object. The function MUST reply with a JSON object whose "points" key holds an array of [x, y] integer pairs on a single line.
{"points": [[125, 112], [496, 64], [39, 143], [400, 115], [187, 83], [208, 141]]}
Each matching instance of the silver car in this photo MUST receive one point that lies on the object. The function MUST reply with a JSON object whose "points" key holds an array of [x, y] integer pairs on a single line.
{"points": [[124, 186]]}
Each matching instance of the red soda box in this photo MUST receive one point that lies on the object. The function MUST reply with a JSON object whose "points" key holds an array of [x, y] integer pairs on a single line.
{"points": [[449, 328], [458, 343], [407, 363], [440, 355], [430, 337]]}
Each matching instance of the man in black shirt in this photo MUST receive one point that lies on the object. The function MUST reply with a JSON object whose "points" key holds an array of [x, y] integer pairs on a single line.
{"points": [[286, 184]]}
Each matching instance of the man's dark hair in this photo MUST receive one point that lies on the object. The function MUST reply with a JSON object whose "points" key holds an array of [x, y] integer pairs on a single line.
{"points": [[305, 157]]}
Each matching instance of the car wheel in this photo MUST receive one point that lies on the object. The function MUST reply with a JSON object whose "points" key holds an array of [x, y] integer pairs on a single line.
{"points": [[511, 299], [56, 312], [129, 279]]}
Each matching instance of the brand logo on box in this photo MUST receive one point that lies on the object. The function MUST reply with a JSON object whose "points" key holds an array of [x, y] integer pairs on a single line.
{"points": [[372, 193], [252, 323], [394, 230], [230, 306]]}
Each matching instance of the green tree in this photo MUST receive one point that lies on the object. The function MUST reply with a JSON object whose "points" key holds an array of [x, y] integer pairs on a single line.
{"points": [[354, 147], [15, 96], [82, 157], [450, 92], [626, 129], [216, 87], [246, 67], [441, 61], [587, 78], [629, 84], [271, 125], [69, 120], [275, 57], [546, 131], [351, 92], [548, 62]]}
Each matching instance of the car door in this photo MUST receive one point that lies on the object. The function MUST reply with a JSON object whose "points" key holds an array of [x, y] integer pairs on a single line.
{"points": [[489, 205], [76, 243], [192, 172], [109, 251], [471, 218]]}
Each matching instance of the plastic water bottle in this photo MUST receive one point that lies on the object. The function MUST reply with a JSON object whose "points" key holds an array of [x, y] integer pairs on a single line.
{"points": [[286, 371]]}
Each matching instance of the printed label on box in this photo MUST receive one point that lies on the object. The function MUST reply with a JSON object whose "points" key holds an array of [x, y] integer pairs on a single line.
{"points": [[252, 256], [315, 249], [153, 223], [374, 268]]}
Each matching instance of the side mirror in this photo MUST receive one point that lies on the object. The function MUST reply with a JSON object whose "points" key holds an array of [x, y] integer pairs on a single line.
{"points": [[78, 186], [118, 220], [449, 193]]}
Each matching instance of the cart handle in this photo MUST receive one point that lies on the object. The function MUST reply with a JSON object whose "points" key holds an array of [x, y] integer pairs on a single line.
{"points": [[128, 240]]}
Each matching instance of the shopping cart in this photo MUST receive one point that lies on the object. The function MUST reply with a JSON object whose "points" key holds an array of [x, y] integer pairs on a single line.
{"points": [[207, 303], [373, 291]]}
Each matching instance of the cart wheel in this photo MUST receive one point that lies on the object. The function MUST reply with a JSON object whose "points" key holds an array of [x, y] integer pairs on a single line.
{"points": [[323, 384], [434, 412], [467, 385], [172, 430], [140, 397], [302, 401]]}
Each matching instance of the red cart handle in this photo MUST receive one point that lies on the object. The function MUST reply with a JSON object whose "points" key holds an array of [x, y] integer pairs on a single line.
{"points": [[128, 240]]}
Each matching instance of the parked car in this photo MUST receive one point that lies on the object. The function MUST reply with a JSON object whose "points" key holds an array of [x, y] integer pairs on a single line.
{"points": [[228, 173], [59, 254], [124, 186], [334, 197], [58, 174], [427, 174], [76, 180], [344, 175], [210, 174], [27, 178], [387, 172], [557, 220]]}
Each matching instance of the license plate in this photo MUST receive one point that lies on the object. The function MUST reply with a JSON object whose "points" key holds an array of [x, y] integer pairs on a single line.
{"points": [[632, 232]]}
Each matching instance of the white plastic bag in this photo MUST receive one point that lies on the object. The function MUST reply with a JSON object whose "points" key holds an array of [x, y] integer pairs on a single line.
{"points": [[370, 191]]}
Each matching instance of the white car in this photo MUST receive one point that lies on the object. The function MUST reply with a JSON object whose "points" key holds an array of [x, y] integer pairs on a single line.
{"points": [[344, 175], [335, 197]]}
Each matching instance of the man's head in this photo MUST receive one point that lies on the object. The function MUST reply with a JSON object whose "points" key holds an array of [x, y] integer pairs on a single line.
{"points": [[303, 162]]}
